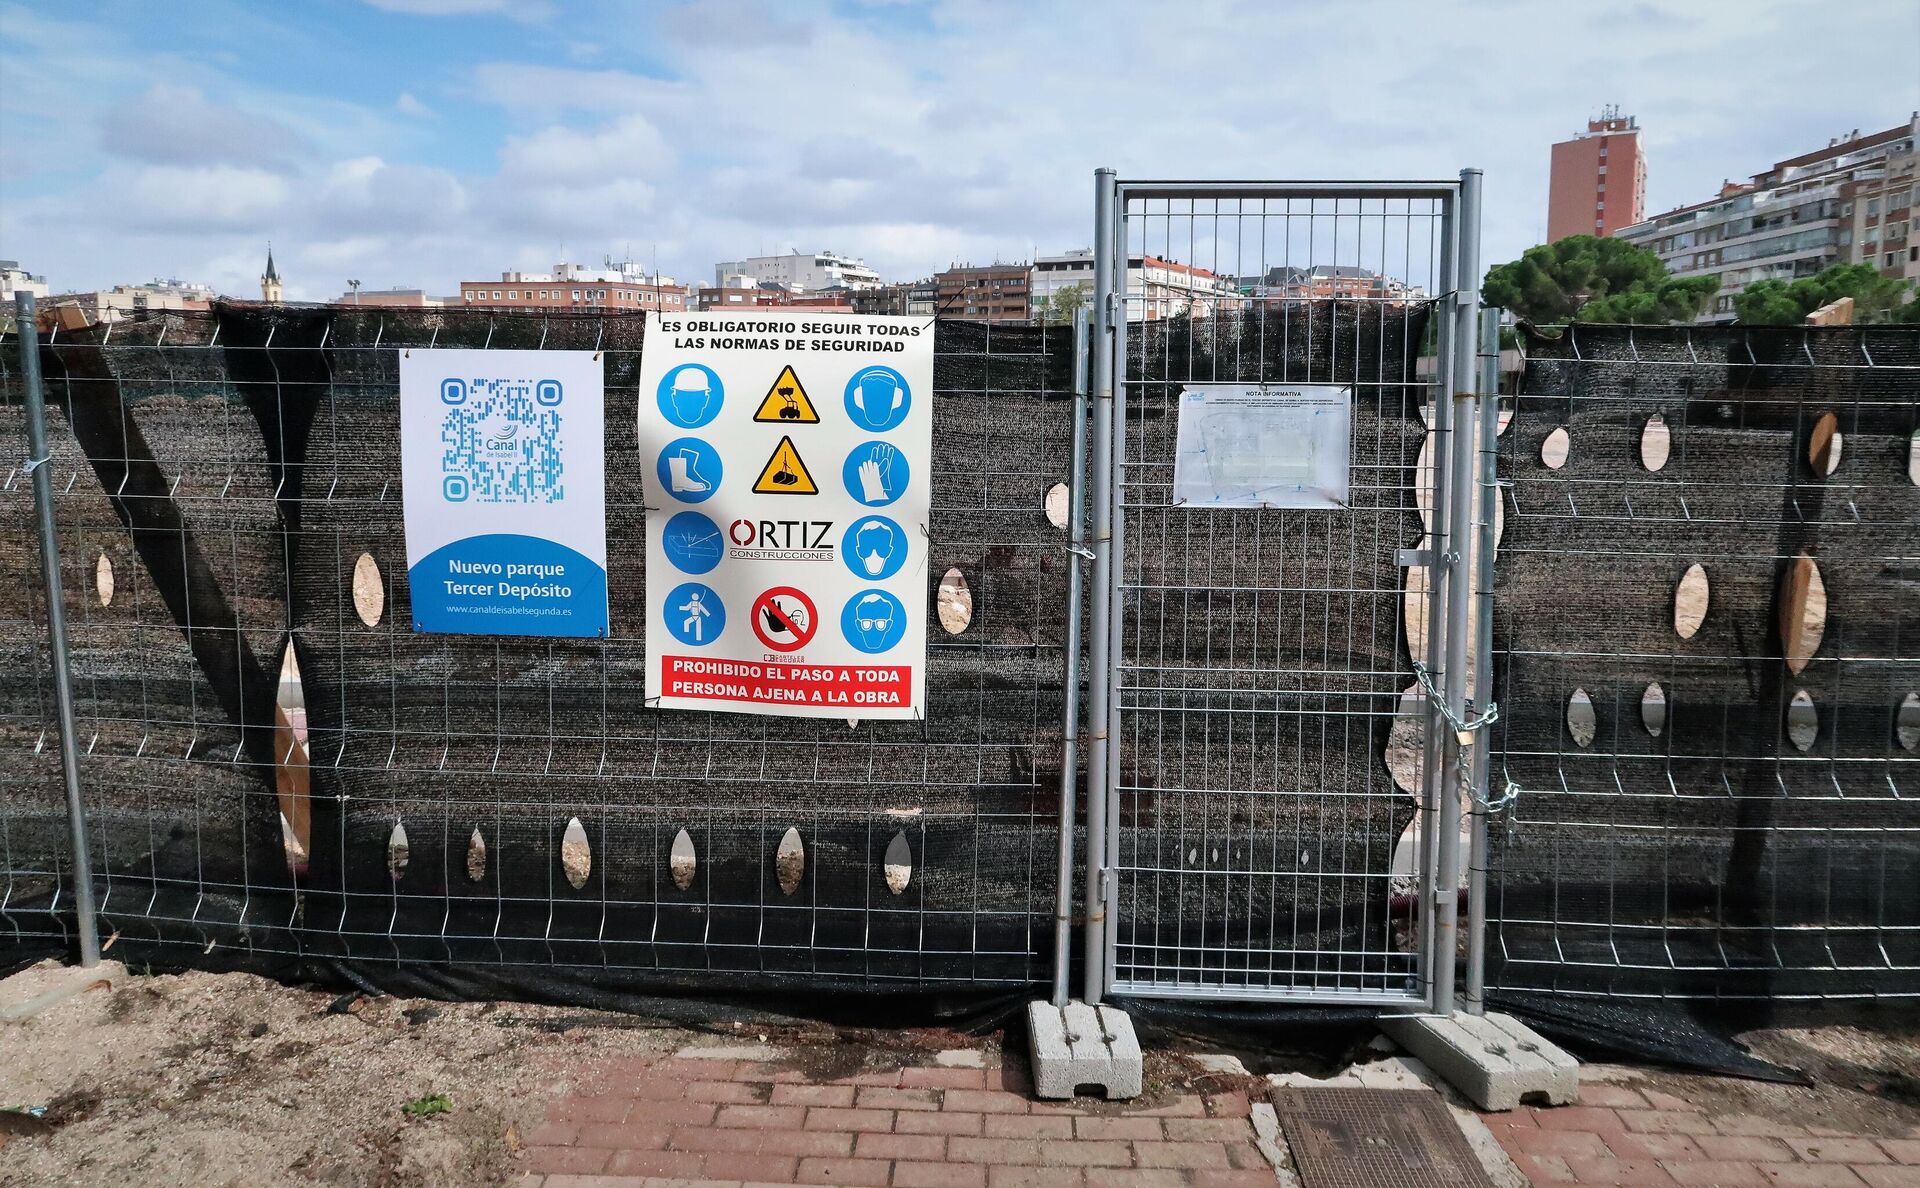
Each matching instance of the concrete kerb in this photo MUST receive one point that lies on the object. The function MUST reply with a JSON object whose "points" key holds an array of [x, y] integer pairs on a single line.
{"points": [[1079, 1045]]}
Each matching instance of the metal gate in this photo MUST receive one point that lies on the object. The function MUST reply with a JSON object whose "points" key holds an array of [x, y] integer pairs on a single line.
{"points": [[1272, 776]]}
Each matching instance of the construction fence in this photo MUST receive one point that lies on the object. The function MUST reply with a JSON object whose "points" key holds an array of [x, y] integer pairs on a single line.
{"points": [[1711, 808]]}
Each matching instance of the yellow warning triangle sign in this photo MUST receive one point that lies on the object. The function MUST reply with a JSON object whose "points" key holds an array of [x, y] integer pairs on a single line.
{"points": [[785, 473], [786, 401]]}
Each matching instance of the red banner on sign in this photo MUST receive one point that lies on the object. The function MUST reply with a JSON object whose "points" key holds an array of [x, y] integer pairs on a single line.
{"points": [[854, 686]]}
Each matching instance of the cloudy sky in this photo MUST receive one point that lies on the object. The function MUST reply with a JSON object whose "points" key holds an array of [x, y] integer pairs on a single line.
{"points": [[416, 143]]}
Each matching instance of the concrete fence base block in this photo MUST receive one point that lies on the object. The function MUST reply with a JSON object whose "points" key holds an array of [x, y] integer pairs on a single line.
{"points": [[1078, 1045], [1497, 1061]]}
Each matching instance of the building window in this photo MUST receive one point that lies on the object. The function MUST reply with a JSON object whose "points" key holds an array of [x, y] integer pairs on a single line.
{"points": [[513, 294], [496, 294]]}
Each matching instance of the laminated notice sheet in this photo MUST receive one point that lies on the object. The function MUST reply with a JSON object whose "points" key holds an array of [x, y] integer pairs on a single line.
{"points": [[1263, 445]]}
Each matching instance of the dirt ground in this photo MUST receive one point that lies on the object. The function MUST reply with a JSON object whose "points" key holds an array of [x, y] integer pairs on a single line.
{"points": [[229, 1079], [217, 1079]]}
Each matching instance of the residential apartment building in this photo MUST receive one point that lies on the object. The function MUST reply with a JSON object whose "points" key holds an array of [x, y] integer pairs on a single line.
{"points": [[919, 297], [1598, 180], [1331, 282], [619, 287], [15, 279], [134, 302], [802, 270], [1156, 287], [1881, 216], [984, 293], [1796, 219]]}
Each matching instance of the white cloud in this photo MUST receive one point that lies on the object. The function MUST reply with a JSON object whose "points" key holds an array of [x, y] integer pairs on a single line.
{"points": [[177, 125], [407, 105], [630, 146], [200, 198]]}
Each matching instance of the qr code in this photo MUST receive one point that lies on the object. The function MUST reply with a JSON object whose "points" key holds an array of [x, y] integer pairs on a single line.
{"points": [[500, 441]]}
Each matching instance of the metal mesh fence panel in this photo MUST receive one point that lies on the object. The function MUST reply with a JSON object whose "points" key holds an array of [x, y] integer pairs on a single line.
{"points": [[237, 474], [1720, 795], [1262, 651]]}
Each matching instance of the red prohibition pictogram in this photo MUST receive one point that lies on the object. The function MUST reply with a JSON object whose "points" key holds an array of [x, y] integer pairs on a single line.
{"points": [[784, 619]]}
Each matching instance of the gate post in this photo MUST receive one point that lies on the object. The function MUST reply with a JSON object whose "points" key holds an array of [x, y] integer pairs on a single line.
{"points": [[37, 459], [1070, 732], [1100, 657], [1464, 345], [1487, 477], [1076, 1044]]}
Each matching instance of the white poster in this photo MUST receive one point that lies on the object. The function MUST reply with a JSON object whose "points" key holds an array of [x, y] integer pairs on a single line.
{"points": [[503, 475], [1263, 445], [787, 462]]}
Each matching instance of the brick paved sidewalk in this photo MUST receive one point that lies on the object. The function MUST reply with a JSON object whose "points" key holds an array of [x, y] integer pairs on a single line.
{"points": [[1621, 1134], [683, 1120]]}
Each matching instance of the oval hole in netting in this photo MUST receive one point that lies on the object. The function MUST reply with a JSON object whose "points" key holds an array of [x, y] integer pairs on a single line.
{"points": [[1582, 724], [1803, 612], [1423, 479], [293, 777], [1058, 498], [103, 579], [1823, 446], [1407, 740], [1690, 599], [1906, 722], [955, 602], [369, 590], [476, 856], [576, 856], [1656, 443], [1653, 709], [397, 851], [1803, 721], [681, 860], [790, 861], [1554, 450], [898, 863]]}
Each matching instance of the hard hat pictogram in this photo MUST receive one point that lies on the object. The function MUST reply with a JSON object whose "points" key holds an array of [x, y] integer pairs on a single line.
{"points": [[787, 401]]}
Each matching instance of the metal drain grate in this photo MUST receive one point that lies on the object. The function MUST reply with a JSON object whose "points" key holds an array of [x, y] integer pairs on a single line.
{"points": [[1376, 1138]]}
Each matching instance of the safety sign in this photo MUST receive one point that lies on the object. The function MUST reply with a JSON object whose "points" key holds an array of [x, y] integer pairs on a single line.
{"points": [[785, 619], [787, 400], [787, 530], [785, 473], [503, 481]]}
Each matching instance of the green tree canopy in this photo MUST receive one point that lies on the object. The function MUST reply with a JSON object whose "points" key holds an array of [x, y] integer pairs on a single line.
{"points": [[1066, 299], [1595, 279], [1876, 298]]}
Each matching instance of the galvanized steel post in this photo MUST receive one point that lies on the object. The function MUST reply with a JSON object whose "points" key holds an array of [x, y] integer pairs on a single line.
{"points": [[1487, 477], [1100, 658], [1440, 425], [1454, 778], [1070, 745], [37, 457]]}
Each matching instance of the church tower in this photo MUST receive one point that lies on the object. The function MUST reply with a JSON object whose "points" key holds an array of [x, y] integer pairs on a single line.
{"points": [[270, 280]]}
